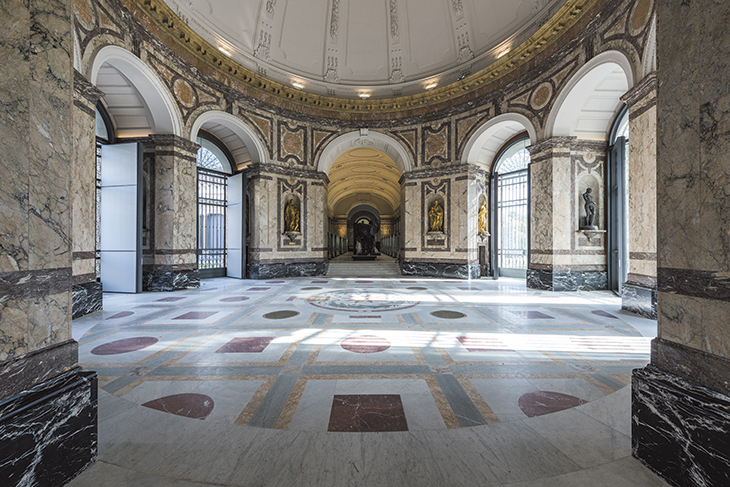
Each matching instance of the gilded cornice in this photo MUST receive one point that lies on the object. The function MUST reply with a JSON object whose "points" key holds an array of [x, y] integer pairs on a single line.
{"points": [[263, 88]]}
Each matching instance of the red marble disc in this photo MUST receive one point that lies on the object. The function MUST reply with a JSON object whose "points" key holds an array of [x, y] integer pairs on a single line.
{"points": [[546, 402], [196, 406]]}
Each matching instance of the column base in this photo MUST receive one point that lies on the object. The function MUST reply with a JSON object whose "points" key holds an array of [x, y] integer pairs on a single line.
{"points": [[552, 280], [156, 280], [49, 432], [441, 269], [679, 429], [86, 298], [283, 269], [640, 300]]}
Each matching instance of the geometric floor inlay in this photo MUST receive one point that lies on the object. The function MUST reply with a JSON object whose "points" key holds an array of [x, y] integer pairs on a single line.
{"points": [[309, 354]]}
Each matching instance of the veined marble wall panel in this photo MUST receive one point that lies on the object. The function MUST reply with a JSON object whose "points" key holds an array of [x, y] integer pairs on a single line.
{"points": [[185, 198], [642, 179], [411, 217], [541, 208]]}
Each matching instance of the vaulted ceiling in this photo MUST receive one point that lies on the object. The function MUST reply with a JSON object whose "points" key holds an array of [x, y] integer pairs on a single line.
{"points": [[361, 48], [363, 176]]}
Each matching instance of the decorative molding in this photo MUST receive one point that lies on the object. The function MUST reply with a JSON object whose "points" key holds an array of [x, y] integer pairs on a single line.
{"points": [[165, 19], [394, 27], [334, 20]]}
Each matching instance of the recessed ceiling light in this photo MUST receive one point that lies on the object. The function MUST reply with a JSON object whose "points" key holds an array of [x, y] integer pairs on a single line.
{"points": [[297, 85], [431, 86], [364, 95]]}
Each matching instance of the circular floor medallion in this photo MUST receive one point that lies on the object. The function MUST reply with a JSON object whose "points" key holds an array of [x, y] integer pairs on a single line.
{"points": [[545, 402], [281, 315], [445, 314], [365, 344], [362, 300], [234, 299], [124, 345]]}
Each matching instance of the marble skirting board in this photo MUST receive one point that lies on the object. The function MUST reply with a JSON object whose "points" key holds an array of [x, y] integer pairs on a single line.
{"points": [[49, 432], [640, 300], [679, 429], [280, 270], [551, 280], [440, 269], [156, 280], [86, 298]]}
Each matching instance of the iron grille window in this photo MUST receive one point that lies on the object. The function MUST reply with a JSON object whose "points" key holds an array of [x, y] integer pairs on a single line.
{"points": [[212, 199], [512, 207]]}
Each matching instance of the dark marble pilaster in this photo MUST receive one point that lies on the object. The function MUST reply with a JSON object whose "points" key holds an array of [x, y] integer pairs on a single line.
{"points": [[282, 270], [441, 269], [86, 298], [679, 429], [566, 280], [640, 300], [49, 432]]}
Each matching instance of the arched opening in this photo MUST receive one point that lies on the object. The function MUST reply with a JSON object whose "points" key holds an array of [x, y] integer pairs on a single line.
{"points": [[364, 169], [491, 145], [591, 99], [510, 219], [227, 147]]}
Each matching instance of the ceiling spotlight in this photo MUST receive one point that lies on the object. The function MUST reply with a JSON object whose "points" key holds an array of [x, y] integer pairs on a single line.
{"points": [[431, 86], [364, 96], [297, 85]]}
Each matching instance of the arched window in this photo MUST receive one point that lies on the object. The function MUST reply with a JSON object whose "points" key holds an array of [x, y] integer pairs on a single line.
{"points": [[214, 167], [511, 190]]}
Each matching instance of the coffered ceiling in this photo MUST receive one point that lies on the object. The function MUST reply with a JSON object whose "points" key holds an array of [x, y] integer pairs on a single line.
{"points": [[363, 176], [365, 48]]}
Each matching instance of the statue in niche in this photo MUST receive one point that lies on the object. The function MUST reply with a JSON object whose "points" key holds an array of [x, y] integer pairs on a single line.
{"points": [[482, 226], [291, 217], [590, 208], [436, 217]]}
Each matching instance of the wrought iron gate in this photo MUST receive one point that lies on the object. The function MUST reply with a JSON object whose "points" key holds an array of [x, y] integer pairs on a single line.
{"points": [[212, 201], [512, 217]]}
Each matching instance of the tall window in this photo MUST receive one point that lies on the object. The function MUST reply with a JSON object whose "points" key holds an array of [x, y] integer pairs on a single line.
{"points": [[213, 169], [618, 203], [104, 135], [511, 169]]}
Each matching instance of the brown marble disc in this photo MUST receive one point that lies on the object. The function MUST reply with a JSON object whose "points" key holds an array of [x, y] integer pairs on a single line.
{"points": [[125, 345], [546, 402], [196, 406], [365, 344]]}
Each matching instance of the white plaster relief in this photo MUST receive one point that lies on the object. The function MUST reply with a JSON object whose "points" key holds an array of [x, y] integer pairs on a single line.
{"points": [[335, 20]]}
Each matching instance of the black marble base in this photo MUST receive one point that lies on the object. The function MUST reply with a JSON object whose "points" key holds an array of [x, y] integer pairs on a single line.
{"points": [[640, 300], [441, 269], [296, 269], [680, 430], [86, 298], [48, 434], [156, 280], [567, 280]]}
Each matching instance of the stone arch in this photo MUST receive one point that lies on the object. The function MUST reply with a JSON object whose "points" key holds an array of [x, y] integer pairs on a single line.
{"points": [[484, 145], [216, 122], [590, 100], [366, 138], [157, 99], [649, 57]]}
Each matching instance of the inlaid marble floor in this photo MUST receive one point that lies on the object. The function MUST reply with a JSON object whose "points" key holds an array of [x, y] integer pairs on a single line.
{"points": [[320, 362]]}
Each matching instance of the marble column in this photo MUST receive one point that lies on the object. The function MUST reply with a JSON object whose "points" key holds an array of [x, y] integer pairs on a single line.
{"points": [[47, 404], [452, 252], [681, 401], [274, 253], [563, 258], [170, 215], [639, 293], [87, 289]]}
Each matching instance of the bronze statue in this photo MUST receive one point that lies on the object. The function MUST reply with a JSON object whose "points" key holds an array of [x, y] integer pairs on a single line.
{"points": [[482, 227], [291, 217], [436, 217], [590, 208]]}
